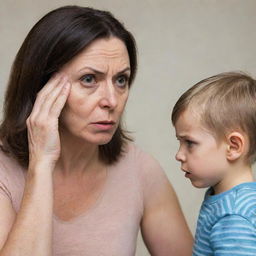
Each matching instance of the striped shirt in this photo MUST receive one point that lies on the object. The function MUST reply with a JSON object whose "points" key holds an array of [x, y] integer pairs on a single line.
{"points": [[227, 223]]}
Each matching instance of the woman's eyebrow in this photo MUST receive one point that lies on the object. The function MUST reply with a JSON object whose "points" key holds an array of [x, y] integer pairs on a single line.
{"points": [[92, 69], [102, 73], [124, 70]]}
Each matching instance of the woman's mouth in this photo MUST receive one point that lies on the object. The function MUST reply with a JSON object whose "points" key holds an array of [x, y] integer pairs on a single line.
{"points": [[104, 125]]}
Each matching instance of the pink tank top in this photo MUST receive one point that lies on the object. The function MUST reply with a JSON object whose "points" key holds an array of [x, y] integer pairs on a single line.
{"points": [[110, 227]]}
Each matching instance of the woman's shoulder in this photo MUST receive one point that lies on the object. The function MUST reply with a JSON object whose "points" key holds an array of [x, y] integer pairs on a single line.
{"points": [[133, 150], [9, 165], [148, 170], [12, 175], [12, 179], [145, 161]]}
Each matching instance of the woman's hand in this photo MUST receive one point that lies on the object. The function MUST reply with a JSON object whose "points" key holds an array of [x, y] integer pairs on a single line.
{"points": [[22, 232], [43, 122]]}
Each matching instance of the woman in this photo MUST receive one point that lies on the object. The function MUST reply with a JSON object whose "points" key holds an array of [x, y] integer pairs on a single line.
{"points": [[72, 183]]}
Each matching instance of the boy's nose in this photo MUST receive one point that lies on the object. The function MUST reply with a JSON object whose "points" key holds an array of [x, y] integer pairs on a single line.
{"points": [[180, 156]]}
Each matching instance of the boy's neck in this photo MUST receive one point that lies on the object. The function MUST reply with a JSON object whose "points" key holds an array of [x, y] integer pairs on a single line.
{"points": [[236, 175]]}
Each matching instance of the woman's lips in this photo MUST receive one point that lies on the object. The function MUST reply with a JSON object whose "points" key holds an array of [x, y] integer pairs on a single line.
{"points": [[104, 125]]}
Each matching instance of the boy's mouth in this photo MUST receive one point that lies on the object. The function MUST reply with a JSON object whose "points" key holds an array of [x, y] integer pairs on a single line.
{"points": [[187, 173], [184, 170]]}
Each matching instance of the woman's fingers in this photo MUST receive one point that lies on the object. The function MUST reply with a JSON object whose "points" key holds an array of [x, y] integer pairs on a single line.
{"points": [[48, 95], [42, 124], [53, 81], [49, 100], [60, 100]]}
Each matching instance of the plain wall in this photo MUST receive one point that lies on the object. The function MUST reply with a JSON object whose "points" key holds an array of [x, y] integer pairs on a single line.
{"points": [[179, 42]]}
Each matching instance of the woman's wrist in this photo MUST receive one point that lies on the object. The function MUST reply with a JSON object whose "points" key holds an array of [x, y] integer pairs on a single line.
{"points": [[41, 166]]}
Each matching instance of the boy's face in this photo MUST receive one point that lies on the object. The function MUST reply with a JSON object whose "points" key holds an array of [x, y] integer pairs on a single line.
{"points": [[202, 159]]}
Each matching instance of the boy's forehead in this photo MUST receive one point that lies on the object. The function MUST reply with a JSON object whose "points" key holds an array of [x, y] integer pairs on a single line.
{"points": [[187, 122], [188, 118]]}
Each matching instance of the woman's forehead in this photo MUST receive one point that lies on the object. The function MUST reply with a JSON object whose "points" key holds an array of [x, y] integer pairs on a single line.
{"points": [[101, 54]]}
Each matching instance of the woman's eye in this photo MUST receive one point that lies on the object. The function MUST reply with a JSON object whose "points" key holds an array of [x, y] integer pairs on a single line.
{"points": [[88, 79], [121, 81]]}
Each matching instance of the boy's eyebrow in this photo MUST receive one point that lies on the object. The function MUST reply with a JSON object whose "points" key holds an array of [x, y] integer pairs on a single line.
{"points": [[183, 136], [179, 136]]}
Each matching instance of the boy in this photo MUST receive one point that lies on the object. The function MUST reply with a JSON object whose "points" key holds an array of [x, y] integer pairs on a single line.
{"points": [[215, 123]]}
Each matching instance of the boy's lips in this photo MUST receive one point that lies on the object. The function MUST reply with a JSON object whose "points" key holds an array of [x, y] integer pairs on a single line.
{"points": [[187, 173]]}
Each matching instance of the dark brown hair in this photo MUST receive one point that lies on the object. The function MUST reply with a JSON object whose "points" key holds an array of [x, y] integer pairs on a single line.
{"points": [[54, 40], [224, 103]]}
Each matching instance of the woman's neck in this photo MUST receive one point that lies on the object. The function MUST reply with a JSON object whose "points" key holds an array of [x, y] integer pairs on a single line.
{"points": [[77, 155]]}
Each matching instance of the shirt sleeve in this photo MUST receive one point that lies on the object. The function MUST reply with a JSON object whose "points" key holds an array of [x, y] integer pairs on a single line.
{"points": [[233, 235]]}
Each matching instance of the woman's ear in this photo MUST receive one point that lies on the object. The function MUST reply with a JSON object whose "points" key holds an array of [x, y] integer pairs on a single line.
{"points": [[236, 146]]}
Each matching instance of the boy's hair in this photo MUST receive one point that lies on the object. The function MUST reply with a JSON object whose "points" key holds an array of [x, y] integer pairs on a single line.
{"points": [[224, 103]]}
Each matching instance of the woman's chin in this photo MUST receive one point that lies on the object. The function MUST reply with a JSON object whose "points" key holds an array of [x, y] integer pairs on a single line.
{"points": [[102, 140]]}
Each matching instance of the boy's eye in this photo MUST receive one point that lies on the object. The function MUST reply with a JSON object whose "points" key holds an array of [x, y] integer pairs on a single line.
{"points": [[88, 79], [190, 143], [121, 81]]}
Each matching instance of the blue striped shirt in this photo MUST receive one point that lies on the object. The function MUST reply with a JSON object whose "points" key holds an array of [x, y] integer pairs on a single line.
{"points": [[227, 223]]}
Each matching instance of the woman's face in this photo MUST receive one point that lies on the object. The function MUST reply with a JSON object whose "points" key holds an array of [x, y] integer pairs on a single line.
{"points": [[99, 77]]}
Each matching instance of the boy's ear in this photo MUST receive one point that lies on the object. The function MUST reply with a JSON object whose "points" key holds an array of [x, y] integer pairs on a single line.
{"points": [[236, 145]]}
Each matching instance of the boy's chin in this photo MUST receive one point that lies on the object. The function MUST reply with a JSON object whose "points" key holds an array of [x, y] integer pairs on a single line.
{"points": [[198, 184]]}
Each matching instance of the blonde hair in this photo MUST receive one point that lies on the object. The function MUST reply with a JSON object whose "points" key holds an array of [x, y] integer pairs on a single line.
{"points": [[224, 102]]}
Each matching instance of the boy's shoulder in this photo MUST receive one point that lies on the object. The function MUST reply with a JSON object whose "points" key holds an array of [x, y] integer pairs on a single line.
{"points": [[240, 200], [244, 189], [227, 218], [241, 195], [245, 200]]}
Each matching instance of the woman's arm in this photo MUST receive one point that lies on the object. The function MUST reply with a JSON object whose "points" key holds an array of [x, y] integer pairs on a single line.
{"points": [[29, 233], [163, 225], [31, 229]]}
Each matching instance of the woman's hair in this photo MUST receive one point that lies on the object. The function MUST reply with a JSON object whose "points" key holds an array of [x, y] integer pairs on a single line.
{"points": [[54, 40], [224, 103]]}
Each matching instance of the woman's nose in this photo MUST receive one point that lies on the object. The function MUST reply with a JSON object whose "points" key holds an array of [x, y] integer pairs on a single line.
{"points": [[108, 96]]}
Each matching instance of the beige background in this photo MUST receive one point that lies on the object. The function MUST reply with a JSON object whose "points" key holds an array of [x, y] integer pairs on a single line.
{"points": [[179, 42]]}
